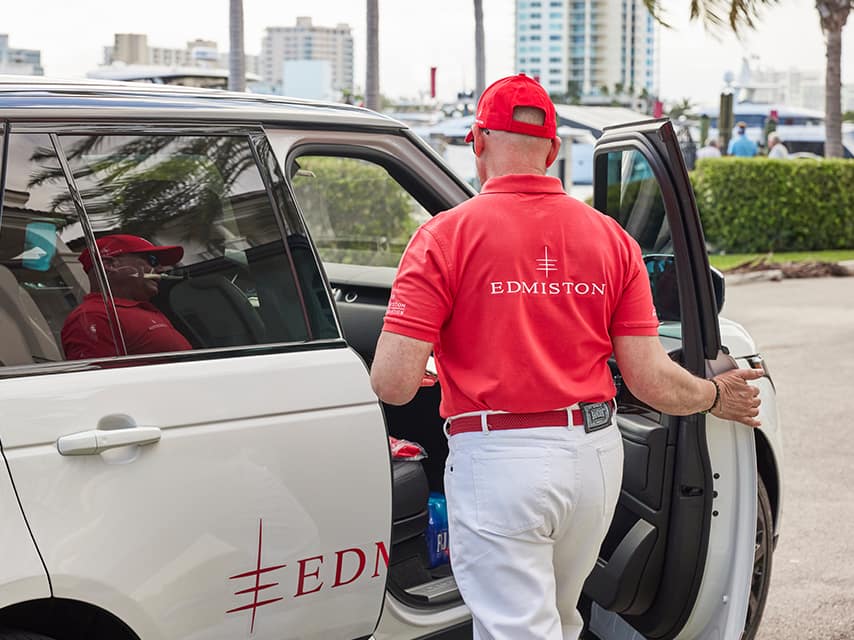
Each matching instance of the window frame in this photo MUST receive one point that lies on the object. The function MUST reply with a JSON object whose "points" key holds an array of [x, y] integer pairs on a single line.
{"points": [[410, 181], [251, 133]]}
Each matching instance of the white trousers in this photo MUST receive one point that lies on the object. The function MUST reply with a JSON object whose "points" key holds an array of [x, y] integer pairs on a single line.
{"points": [[528, 510]]}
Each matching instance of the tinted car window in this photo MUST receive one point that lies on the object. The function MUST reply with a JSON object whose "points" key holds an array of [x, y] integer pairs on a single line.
{"points": [[234, 282], [41, 280], [635, 200]]}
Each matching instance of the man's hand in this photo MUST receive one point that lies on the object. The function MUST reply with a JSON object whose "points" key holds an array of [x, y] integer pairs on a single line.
{"points": [[739, 401], [661, 383]]}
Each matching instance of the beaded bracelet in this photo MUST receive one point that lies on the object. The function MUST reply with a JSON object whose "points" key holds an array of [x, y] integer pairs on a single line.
{"points": [[717, 396]]}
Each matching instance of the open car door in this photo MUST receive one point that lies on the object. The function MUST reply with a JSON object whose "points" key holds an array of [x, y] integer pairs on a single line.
{"points": [[677, 559]]}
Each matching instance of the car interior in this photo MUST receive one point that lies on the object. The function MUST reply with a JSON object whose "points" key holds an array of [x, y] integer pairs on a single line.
{"points": [[631, 559], [634, 576]]}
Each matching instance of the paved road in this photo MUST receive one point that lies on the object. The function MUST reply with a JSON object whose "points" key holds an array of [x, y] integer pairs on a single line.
{"points": [[805, 330]]}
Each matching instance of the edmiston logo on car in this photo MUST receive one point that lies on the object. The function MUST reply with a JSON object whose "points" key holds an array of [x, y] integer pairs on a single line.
{"points": [[350, 565]]}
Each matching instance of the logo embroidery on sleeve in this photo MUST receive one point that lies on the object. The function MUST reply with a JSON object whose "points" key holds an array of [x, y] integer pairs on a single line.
{"points": [[396, 308]]}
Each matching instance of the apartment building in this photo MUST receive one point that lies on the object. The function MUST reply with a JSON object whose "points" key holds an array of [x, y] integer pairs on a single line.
{"points": [[305, 41], [133, 48], [19, 61], [588, 48]]}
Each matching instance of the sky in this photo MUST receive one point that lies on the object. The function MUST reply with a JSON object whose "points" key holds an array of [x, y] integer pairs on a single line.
{"points": [[414, 35]]}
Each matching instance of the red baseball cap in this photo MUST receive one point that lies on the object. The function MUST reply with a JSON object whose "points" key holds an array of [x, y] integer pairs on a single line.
{"points": [[496, 104], [120, 244]]}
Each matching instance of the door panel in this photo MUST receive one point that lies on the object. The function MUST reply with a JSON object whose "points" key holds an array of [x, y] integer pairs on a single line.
{"points": [[259, 465], [652, 562], [24, 577], [234, 514]]}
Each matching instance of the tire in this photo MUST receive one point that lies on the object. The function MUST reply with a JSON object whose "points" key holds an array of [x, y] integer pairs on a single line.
{"points": [[6, 634], [763, 554]]}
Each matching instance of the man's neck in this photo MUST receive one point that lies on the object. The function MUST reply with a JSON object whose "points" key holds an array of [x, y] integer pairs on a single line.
{"points": [[514, 169]]}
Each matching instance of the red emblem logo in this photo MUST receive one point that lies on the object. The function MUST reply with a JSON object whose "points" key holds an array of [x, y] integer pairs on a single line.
{"points": [[258, 588]]}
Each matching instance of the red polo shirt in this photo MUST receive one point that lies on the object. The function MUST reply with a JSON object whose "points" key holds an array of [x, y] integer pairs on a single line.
{"points": [[520, 290], [86, 332]]}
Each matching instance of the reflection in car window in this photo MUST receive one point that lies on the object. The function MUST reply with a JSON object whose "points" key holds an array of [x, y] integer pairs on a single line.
{"points": [[357, 212], [41, 279], [635, 200], [233, 283]]}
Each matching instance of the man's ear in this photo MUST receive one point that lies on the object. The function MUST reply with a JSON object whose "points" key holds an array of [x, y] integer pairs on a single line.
{"points": [[553, 151], [478, 142]]}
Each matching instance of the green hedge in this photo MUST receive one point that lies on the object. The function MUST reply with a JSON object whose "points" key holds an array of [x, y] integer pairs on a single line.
{"points": [[759, 205]]}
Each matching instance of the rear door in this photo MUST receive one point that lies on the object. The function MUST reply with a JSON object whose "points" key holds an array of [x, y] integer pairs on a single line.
{"points": [[676, 561], [240, 488]]}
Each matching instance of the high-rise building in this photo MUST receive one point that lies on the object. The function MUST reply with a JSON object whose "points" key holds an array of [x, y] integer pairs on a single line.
{"points": [[588, 48], [19, 61], [130, 48], [304, 41]]}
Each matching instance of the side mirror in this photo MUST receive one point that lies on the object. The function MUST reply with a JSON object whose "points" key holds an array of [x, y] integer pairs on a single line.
{"points": [[661, 269]]}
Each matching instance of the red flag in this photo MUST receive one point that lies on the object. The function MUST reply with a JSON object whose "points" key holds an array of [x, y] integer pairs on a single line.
{"points": [[432, 82]]}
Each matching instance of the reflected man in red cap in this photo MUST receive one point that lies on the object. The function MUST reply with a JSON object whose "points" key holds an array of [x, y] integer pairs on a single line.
{"points": [[133, 266], [522, 293]]}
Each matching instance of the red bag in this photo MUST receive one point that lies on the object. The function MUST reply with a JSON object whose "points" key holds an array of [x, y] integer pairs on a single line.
{"points": [[406, 450]]}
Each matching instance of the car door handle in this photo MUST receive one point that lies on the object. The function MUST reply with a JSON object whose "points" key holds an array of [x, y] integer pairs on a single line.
{"points": [[87, 443]]}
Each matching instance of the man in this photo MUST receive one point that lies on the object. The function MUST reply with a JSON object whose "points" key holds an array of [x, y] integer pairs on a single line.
{"points": [[711, 150], [776, 148], [133, 266], [522, 293], [742, 146]]}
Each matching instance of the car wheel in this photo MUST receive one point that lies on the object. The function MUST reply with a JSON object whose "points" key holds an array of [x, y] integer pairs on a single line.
{"points": [[6, 634], [763, 553]]}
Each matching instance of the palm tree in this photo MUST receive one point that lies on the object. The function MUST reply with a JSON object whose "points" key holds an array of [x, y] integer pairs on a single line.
{"points": [[372, 76], [682, 108], [236, 57], [479, 51], [740, 14], [833, 14]]}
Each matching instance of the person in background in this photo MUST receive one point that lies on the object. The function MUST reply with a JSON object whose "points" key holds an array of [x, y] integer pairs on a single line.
{"points": [[535, 456], [776, 148], [711, 150], [741, 146], [133, 266]]}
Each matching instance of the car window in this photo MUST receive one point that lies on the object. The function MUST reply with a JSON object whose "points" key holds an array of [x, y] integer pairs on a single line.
{"points": [[41, 280], [635, 200], [357, 212], [221, 270]]}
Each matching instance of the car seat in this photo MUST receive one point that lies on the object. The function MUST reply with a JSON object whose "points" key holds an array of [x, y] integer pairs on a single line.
{"points": [[25, 336], [212, 312]]}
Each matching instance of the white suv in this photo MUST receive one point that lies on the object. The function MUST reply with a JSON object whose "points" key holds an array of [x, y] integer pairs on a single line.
{"points": [[244, 487]]}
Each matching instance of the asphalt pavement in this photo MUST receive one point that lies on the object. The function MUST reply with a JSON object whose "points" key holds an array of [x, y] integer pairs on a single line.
{"points": [[805, 330]]}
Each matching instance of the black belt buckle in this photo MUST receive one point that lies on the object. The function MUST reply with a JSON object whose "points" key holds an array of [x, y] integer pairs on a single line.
{"points": [[597, 415]]}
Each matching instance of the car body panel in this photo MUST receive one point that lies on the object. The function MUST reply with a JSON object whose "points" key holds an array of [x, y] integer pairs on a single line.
{"points": [[168, 536], [736, 339], [23, 576], [721, 606]]}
